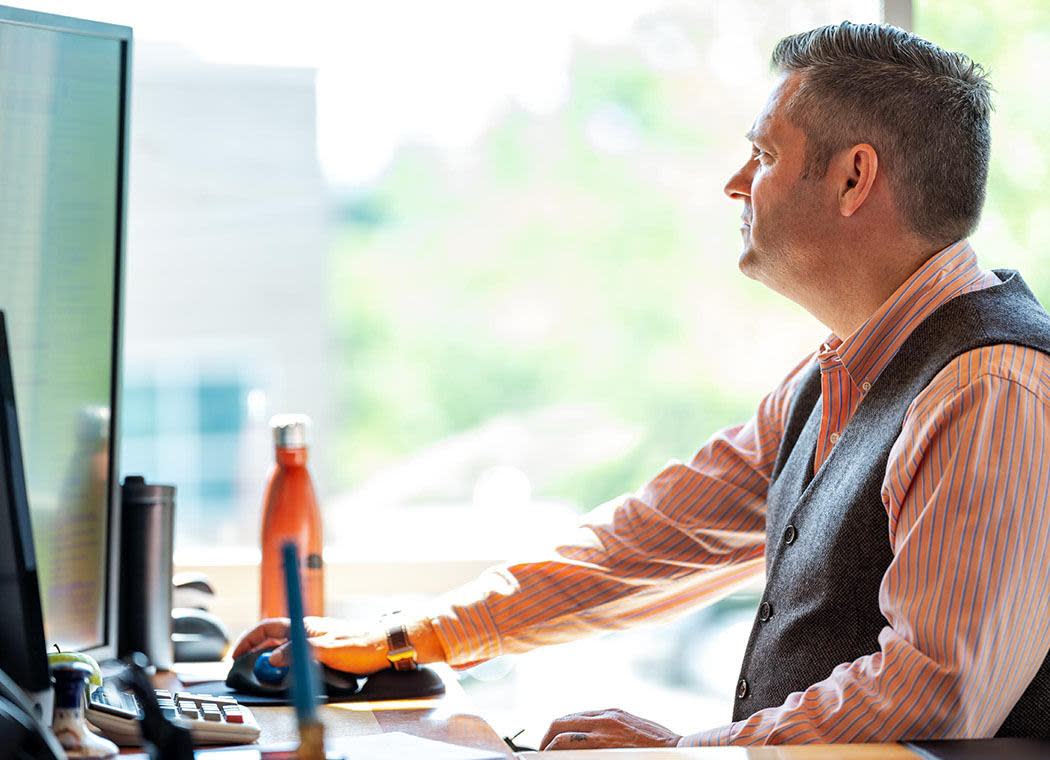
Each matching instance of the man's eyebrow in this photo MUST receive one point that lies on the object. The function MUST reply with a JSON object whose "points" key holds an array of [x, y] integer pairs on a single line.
{"points": [[753, 136]]}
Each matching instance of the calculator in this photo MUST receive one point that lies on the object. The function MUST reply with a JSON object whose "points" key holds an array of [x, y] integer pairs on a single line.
{"points": [[211, 720]]}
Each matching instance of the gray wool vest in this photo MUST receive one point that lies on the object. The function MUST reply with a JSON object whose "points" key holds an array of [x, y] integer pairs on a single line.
{"points": [[827, 542]]}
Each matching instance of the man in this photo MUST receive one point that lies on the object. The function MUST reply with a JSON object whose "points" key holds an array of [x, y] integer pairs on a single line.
{"points": [[894, 487]]}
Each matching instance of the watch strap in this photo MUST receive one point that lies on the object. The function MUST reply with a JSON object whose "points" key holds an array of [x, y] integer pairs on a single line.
{"points": [[400, 652]]}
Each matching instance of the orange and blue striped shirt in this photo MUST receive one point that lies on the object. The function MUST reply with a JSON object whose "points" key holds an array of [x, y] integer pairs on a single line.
{"points": [[964, 595]]}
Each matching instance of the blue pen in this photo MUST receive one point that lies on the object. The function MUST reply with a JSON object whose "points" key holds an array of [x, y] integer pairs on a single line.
{"points": [[304, 685]]}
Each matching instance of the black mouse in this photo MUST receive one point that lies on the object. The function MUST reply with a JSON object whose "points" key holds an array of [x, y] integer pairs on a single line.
{"points": [[338, 685], [252, 674]]}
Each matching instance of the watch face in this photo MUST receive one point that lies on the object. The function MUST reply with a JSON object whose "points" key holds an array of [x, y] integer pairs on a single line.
{"points": [[397, 638], [401, 654]]}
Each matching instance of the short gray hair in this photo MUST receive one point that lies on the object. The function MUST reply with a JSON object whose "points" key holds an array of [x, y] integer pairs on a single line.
{"points": [[924, 109]]}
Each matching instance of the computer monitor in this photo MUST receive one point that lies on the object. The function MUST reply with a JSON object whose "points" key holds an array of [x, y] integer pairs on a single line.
{"points": [[22, 655], [63, 148]]}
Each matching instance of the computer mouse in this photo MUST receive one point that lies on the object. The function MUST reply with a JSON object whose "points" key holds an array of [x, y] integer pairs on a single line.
{"points": [[266, 672], [252, 673], [243, 677]]}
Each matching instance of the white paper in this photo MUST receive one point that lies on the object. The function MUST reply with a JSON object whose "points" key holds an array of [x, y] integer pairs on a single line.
{"points": [[402, 746]]}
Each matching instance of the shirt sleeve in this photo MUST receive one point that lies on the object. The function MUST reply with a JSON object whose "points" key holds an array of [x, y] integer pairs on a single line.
{"points": [[690, 535], [965, 594]]}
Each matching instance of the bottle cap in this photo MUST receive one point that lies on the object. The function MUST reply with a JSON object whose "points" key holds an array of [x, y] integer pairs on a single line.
{"points": [[289, 430]]}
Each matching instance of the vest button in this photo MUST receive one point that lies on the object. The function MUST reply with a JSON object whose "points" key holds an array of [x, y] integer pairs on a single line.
{"points": [[765, 611], [741, 689], [790, 534]]}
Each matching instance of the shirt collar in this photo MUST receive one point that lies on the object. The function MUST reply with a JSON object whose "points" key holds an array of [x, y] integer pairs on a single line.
{"points": [[864, 354]]}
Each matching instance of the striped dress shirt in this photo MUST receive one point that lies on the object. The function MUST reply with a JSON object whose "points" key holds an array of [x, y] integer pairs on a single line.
{"points": [[964, 522]]}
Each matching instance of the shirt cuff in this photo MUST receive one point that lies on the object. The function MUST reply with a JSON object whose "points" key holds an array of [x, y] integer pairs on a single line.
{"points": [[467, 631], [715, 737]]}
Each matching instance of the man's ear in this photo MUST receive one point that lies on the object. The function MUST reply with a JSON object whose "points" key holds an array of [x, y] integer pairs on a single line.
{"points": [[861, 164]]}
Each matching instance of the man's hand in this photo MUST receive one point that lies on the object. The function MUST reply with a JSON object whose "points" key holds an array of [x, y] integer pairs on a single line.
{"points": [[333, 641], [601, 729]]}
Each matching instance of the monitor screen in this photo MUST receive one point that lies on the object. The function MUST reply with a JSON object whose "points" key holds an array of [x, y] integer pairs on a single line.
{"points": [[62, 127]]}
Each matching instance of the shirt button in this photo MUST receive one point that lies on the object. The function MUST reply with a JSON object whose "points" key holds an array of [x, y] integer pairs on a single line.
{"points": [[834, 438], [765, 611], [865, 387], [790, 534], [741, 689]]}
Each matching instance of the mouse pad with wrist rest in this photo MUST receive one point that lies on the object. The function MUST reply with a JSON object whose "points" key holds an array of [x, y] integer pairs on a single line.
{"points": [[244, 685], [386, 684]]}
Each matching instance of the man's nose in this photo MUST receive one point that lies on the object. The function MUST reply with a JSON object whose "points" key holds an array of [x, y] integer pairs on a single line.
{"points": [[739, 185]]}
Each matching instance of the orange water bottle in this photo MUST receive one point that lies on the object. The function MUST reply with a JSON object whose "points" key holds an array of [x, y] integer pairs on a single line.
{"points": [[290, 513]]}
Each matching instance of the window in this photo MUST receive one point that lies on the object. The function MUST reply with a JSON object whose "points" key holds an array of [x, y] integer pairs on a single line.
{"points": [[1015, 227], [190, 430], [485, 246]]}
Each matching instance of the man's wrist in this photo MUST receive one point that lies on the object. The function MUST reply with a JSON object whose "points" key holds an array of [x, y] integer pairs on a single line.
{"points": [[421, 636], [399, 653]]}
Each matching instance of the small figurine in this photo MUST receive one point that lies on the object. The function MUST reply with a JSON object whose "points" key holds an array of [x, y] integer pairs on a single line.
{"points": [[68, 723]]}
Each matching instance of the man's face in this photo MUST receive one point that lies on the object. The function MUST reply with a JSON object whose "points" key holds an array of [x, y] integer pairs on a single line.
{"points": [[784, 215]]}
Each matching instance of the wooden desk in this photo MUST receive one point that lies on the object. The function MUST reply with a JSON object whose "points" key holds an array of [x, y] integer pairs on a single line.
{"points": [[798, 752], [453, 718], [450, 718]]}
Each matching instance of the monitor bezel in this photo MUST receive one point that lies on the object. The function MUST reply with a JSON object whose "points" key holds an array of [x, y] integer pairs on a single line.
{"points": [[25, 658], [123, 35]]}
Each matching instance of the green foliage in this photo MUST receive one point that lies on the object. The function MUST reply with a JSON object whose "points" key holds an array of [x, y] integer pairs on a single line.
{"points": [[565, 259], [543, 271], [1010, 41]]}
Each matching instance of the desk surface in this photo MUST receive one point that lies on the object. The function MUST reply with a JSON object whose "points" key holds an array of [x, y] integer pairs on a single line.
{"points": [[798, 752], [450, 718], [453, 718]]}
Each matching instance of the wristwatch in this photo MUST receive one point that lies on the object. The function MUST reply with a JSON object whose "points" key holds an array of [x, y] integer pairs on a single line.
{"points": [[400, 652]]}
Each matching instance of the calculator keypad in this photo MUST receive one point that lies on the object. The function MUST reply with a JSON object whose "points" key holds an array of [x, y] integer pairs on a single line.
{"points": [[211, 720], [184, 704]]}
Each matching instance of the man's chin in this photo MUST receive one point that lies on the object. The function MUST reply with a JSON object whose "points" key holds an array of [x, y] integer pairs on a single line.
{"points": [[748, 263]]}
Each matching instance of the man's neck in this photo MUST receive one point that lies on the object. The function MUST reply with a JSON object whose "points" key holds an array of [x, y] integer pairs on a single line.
{"points": [[855, 289]]}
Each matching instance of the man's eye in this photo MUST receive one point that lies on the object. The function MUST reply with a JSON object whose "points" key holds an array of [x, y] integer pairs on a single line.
{"points": [[758, 155]]}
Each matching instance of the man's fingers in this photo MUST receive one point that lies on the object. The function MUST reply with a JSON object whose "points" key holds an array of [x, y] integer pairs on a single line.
{"points": [[275, 631], [574, 723], [575, 740], [607, 728], [271, 628], [262, 646], [279, 657]]}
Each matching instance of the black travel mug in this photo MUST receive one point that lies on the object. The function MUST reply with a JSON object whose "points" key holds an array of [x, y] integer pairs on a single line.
{"points": [[146, 539]]}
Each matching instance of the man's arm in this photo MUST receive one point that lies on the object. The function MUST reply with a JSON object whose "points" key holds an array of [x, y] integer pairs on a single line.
{"points": [[966, 490], [692, 534]]}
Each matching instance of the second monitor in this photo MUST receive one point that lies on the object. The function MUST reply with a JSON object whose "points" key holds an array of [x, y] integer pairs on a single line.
{"points": [[63, 146]]}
